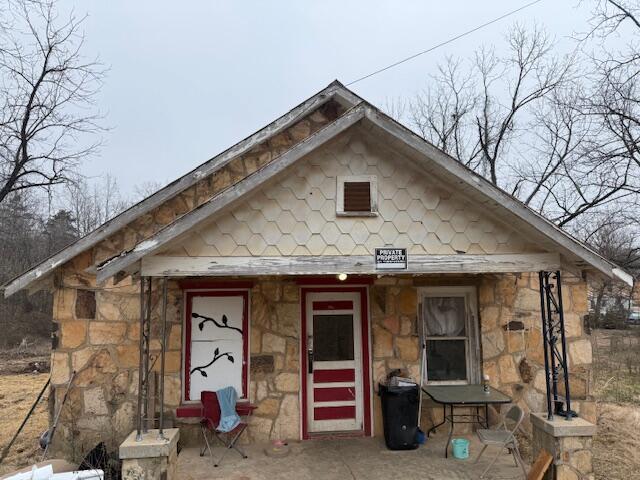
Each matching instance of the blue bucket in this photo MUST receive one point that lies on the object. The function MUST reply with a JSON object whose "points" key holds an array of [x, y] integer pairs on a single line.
{"points": [[460, 448]]}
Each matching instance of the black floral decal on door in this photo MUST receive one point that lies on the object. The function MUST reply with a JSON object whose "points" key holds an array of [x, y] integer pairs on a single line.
{"points": [[216, 354]]}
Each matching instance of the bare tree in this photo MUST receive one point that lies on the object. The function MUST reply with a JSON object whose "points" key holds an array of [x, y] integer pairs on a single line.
{"points": [[519, 120], [475, 113], [441, 113], [615, 98], [47, 90], [93, 203]]}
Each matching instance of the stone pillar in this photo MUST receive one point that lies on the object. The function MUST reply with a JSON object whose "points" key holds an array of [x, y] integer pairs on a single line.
{"points": [[569, 442], [152, 458]]}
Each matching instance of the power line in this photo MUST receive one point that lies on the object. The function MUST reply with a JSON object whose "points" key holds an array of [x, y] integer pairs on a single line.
{"points": [[453, 39]]}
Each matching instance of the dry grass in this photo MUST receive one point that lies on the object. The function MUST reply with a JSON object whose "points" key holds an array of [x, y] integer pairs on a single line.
{"points": [[17, 394], [616, 367], [616, 452]]}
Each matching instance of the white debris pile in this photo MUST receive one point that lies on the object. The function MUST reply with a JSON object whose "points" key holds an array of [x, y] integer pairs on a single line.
{"points": [[46, 473]]}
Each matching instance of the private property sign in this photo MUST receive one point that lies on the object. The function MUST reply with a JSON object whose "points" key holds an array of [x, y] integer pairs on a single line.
{"points": [[391, 258]]}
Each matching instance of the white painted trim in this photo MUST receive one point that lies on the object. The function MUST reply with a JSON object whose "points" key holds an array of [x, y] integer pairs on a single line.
{"points": [[472, 339], [172, 266], [334, 384], [345, 403]]}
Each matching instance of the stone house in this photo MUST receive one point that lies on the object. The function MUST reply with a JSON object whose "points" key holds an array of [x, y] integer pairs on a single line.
{"points": [[274, 284]]}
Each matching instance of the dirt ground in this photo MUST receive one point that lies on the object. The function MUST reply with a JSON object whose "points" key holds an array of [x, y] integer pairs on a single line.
{"points": [[17, 394], [616, 385]]}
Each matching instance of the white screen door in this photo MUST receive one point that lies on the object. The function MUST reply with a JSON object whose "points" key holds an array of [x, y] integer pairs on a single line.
{"points": [[334, 370]]}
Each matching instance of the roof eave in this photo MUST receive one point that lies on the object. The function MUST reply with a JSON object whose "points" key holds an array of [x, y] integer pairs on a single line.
{"points": [[335, 90]]}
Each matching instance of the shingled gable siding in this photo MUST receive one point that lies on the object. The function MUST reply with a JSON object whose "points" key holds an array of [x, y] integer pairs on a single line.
{"points": [[205, 189]]}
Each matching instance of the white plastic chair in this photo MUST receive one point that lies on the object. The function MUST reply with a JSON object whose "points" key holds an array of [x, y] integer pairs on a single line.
{"points": [[503, 437]]}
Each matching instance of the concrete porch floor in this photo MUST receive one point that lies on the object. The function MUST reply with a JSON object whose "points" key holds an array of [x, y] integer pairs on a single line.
{"points": [[351, 459]]}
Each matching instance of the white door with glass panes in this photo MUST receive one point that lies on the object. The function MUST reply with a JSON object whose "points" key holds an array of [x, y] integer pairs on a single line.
{"points": [[334, 362], [216, 342], [450, 332]]}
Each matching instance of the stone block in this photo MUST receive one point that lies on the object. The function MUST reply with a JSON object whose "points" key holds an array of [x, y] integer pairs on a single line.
{"points": [[490, 317], [63, 304], [273, 343], [392, 323], [492, 343], [508, 372], [79, 358], [579, 300], [291, 293], [408, 348], [60, 371], [515, 341], [407, 325], [292, 359], [408, 301], [580, 352], [74, 334], [128, 355], [260, 428], [95, 402], [287, 424], [175, 338], [107, 333], [382, 342], [288, 319], [269, 407], [572, 324], [255, 340], [287, 382], [581, 461]]}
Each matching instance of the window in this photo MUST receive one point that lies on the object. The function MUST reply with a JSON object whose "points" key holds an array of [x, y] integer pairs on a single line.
{"points": [[357, 196], [450, 329], [216, 339]]}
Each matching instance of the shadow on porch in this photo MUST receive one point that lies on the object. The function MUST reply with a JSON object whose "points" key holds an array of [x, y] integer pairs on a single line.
{"points": [[358, 459]]}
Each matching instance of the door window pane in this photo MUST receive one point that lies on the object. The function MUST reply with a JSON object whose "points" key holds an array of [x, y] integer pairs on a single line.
{"points": [[332, 337], [445, 316], [446, 360]]}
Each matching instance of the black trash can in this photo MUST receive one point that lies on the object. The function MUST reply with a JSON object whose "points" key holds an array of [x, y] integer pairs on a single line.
{"points": [[400, 416]]}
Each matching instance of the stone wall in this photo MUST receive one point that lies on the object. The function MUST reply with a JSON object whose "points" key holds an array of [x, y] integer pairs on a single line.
{"points": [[275, 360], [98, 337], [511, 337]]}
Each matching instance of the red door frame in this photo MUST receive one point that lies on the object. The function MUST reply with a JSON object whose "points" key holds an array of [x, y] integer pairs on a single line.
{"points": [[189, 294], [366, 372]]}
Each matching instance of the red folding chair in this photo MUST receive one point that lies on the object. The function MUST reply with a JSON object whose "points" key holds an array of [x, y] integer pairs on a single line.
{"points": [[210, 421]]}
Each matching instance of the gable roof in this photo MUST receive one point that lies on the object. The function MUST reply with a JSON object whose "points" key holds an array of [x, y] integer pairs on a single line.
{"points": [[334, 91], [414, 146]]}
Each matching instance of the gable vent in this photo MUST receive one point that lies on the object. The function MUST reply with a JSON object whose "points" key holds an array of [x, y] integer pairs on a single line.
{"points": [[357, 197]]}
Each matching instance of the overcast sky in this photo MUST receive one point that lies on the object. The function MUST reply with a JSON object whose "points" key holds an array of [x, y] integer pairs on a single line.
{"points": [[188, 79]]}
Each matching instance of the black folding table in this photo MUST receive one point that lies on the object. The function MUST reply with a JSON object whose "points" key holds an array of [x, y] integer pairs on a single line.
{"points": [[463, 396]]}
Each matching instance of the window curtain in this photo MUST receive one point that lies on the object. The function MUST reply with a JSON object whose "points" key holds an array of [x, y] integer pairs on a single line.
{"points": [[444, 316]]}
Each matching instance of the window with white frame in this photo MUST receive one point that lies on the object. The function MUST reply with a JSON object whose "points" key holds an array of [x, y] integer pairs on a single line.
{"points": [[450, 333], [216, 340], [357, 195]]}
